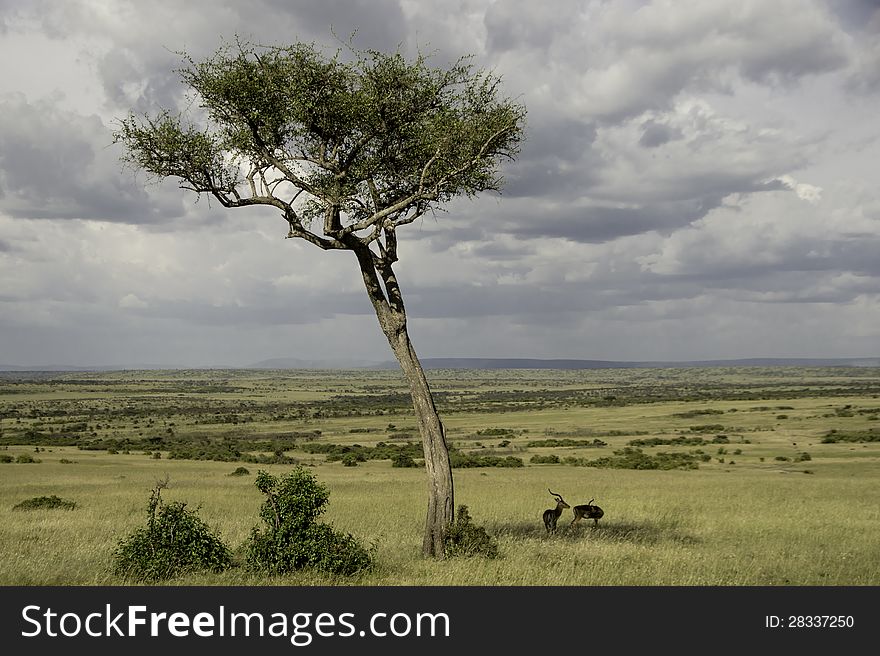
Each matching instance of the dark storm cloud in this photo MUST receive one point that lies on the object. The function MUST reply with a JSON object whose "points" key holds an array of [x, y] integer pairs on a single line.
{"points": [[596, 225], [857, 14], [58, 164]]}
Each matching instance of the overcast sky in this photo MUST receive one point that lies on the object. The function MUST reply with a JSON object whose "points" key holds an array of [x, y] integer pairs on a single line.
{"points": [[700, 180]]}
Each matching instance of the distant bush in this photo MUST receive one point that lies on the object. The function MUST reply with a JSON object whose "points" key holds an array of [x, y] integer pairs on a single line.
{"points": [[464, 460], [240, 471], [45, 503], [5, 457], [551, 459], [404, 460], [675, 441], [352, 459], [26, 458], [291, 537], [707, 428], [690, 414], [464, 538], [495, 432], [631, 458], [175, 541], [870, 435], [556, 442]]}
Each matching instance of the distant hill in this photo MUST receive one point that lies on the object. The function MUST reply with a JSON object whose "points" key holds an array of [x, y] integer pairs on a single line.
{"points": [[530, 363], [479, 363], [297, 363]]}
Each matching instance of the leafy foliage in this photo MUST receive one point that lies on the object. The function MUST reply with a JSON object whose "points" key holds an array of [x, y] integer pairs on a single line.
{"points": [[175, 541], [45, 503], [404, 460], [464, 538], [632, 458], [292, 538], [370, 139], [870, 435], [463, 460]]}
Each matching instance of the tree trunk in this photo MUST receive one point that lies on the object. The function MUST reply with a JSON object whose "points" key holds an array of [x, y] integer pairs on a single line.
{"points": [[440, 487], [390, 311]]}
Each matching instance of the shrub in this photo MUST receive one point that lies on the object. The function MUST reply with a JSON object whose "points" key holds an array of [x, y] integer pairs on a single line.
{"points": [[45, 503], [240, 471], [26, 458], [458, 459], [463, 538], [403, 460], [5, 457], [551, 459], [175, 541], [292, 538], [352, 459], [632, 458]]}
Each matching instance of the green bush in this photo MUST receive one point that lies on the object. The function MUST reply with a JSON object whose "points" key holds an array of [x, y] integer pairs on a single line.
{"points": [[175, 541], [403, 460], [240, 471], [551, 459], [292, 538], [463, 538], [26, 458], [45, 503]]}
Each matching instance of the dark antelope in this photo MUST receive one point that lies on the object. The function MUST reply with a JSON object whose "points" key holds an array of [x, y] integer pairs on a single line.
{"points": [[587, 511], [552, 514]]}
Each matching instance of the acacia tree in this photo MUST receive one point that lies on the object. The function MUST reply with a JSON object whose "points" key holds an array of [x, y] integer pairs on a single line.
{"points": [[348, 150]]}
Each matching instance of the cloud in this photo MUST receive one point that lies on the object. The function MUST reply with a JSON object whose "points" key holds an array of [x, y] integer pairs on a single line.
{"points": [[56, 164], [698, 178]]}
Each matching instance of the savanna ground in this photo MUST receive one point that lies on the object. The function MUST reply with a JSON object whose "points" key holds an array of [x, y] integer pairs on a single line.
{"points": [[773, 477]]}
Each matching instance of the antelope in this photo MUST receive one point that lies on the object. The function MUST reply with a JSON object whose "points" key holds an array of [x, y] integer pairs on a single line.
{"points": [[587, 511], [552, 514]]}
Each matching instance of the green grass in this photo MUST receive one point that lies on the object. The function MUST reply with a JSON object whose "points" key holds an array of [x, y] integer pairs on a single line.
{"points": [[756, 521]]}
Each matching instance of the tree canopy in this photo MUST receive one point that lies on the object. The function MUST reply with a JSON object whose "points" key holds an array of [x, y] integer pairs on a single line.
{"points": [[339, 146]]}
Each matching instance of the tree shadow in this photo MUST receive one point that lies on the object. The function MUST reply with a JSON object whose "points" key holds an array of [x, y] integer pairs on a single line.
{"points": [[646, 532]]}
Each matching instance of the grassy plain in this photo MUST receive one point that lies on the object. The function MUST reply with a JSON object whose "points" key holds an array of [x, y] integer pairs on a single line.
{"points": [[777, 498]]}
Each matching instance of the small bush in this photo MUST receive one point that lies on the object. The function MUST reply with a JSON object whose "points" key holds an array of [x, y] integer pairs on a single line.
{"points": [[292, 538], [45, 503], [352, 459], [175, 541], [26, 458], [5, 457], [463, 538], [403, 460], [241, 471], [551, 459]]}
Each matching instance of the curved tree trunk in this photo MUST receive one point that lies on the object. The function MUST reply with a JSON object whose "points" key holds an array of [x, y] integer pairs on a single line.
{"points": [[439, 470], [388, 304]]}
